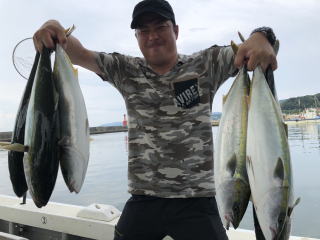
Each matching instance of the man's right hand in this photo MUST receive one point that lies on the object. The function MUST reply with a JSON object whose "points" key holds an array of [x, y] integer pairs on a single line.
{"points": [[50, 33]]}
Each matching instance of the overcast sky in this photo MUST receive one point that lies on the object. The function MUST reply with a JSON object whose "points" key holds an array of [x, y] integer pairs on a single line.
{"points": [[103, 25]]}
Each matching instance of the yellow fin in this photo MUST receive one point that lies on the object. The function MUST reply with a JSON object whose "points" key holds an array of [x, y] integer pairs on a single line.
{"points": [[75, 71], [241, 37], [4, 143], [17, 147], [293, 206], [224, 99], [234, 46], [248, 99], [285, 128], [69, 30]]}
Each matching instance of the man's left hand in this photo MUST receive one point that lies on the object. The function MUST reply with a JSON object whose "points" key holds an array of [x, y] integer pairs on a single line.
{"points": [[255, 51]]}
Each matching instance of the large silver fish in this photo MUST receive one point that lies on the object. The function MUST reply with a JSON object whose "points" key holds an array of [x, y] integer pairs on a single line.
{"points": [[74, 127], [231, 180], [41, 161], [268, 161], [15, 159]]}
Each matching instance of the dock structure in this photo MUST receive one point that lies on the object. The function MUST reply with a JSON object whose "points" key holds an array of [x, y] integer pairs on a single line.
{"points": [[6, 136]]}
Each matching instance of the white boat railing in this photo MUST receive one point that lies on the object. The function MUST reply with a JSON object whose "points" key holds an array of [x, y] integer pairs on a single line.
{"points": [[94, 222]]}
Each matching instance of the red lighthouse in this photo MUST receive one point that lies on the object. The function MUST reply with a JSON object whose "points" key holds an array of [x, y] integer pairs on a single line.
{"points": [[124, 122]]}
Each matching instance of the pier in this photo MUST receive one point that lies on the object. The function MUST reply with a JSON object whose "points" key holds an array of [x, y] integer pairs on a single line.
{"points": [[6, 136]]}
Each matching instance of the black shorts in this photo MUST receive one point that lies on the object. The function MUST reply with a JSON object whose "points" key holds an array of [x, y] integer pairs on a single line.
{"points": [[153, 218]]}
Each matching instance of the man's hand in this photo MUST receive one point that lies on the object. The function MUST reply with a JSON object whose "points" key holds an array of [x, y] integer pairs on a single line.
{"points": [[49, 34], [255, 51]]}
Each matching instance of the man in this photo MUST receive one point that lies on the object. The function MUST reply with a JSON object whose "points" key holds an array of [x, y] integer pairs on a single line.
{"points": [[168, 98]]}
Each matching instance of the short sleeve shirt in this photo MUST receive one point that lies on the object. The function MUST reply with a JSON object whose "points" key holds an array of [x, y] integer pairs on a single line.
{"points": [[169, 120]]}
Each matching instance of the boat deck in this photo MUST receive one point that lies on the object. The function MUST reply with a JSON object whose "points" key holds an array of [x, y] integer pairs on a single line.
{"points": [[69, 222]]}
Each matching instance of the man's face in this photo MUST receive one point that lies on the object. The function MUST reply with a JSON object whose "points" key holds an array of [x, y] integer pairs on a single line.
{"points": [[157, 39]]}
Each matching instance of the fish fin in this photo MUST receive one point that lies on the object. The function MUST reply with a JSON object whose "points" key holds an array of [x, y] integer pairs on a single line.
{"points": [[241, 37], [246, 100], [290, 209], [232, 164], [69, 30], [75, 71], [249, 161], [64, 141], [279, 170], [235, 47], [285, 128], [17, 147], [224, 99]]}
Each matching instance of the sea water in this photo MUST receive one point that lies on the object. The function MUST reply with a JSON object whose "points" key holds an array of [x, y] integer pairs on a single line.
{"points": [[106, 179]]}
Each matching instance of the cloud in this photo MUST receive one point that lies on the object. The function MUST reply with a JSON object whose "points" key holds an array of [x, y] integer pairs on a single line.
{"points": [[103, 25]]}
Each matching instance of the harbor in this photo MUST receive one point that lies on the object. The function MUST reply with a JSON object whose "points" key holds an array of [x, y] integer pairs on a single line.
{"points": [[6, 136], [106, 184]]}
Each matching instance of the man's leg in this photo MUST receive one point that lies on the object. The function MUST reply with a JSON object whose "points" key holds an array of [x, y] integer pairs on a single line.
{"points": [[195, 218], [141, 219]]}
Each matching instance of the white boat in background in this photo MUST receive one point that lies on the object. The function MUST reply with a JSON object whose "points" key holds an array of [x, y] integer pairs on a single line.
{"points": [[308, 115], [58, 221], [303, 120]]}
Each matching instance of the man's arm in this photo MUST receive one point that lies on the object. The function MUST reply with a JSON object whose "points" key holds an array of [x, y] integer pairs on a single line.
{"points": [[256, 50], [52, 32]]}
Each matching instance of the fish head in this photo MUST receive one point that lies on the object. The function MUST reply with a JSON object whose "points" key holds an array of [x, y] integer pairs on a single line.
{"points": [[285, 233], [233, 198], [273, 212]]}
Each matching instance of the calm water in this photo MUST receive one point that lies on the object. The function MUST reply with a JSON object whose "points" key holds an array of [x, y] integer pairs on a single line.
{"points": [[106, 180]]}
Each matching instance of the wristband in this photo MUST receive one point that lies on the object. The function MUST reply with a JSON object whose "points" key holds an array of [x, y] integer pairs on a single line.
{"points": [[267, 32]]}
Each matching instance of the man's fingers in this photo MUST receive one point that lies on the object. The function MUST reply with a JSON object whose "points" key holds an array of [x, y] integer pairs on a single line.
{"points": [[240, 58], [48, 35], [252, 62], [272, 61], [274, 64], [254, 59], [37, 44], [47, 39], [62, 39], [264, 67]]}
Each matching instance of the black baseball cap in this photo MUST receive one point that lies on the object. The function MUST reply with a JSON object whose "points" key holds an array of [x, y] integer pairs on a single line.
{"points": [[160, 7]]}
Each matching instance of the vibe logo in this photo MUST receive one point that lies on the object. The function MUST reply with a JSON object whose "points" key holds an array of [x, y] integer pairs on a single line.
{"points": [[186, 93]]}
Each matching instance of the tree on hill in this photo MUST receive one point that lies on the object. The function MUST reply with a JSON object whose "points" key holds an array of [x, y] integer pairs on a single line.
{"points": [[296, 105]]}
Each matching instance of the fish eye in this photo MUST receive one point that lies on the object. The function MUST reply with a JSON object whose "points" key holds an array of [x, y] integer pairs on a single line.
{"points": [[281, 219], [236, 208]]}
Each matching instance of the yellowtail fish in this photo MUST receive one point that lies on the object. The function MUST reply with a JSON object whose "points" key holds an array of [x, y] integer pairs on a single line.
{"points": [[74, 126], [268, 161], [231, 180]]}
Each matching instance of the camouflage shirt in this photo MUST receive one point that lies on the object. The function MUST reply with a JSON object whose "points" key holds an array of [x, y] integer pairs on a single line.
{"points": [[169, 120]]}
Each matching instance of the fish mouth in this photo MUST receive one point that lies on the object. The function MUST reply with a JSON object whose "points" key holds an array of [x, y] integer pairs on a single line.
{"points": [[273, 233], [228, 219], [233, 201], [274, 212]]}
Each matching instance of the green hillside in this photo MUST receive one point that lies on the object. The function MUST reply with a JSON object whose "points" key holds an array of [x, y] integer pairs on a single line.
{"points": [[297, 104]]}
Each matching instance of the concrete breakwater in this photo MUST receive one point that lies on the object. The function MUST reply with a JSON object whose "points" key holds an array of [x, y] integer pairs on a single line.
{"points": [[6, 136]]}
